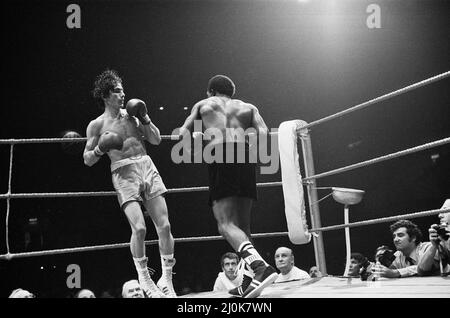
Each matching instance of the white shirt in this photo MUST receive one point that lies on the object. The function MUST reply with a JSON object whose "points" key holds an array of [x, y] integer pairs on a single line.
{"points": [[294, 274], [222, 282], [405, 268]]}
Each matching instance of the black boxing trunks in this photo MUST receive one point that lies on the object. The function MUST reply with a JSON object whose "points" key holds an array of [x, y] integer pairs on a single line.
{"points": [[232, 177]]}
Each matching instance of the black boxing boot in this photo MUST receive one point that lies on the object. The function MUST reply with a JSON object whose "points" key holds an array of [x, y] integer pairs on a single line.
{"points": [[247, 277], [264, 273]]}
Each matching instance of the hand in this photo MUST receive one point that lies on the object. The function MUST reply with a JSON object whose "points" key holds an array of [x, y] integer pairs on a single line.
{"points": [[107, 141], [197, 135], [438, 233], [383, 271], [433, 235], [137, 108]]}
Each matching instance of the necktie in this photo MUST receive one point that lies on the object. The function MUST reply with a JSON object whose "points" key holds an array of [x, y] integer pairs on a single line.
{"points": [[410, 261]]}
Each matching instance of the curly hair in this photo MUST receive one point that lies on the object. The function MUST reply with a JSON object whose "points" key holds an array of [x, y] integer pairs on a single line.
{"points": [[104, 83], [221, 84], [411, 228], [360, 258]]}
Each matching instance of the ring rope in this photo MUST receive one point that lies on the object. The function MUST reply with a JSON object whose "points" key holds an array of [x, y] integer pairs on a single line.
{"points": [[379, 99], [268, 184], [110, 193], [379, 159], [71, 140], [10, 256], [313, 123], [382, 220]]}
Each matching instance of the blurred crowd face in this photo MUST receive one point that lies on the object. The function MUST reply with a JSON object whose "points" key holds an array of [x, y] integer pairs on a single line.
{"points": [[85, 293], [314, 272], [284, 259], [132, 289], [444, 218], [354, 268], [21, 293], [229, 267]]}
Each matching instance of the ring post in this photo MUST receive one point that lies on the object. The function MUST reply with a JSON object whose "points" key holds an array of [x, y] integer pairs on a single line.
{"points": [[319, 249]]}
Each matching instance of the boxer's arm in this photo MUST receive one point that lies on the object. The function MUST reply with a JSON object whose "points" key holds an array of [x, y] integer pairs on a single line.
{"points": [[151, 133], [261, 129], [189, 122], [258, 122], [92, 134]]}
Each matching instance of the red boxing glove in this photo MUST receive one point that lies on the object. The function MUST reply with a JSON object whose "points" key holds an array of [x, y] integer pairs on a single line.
{"points": [[108, 140], [136, 107]]}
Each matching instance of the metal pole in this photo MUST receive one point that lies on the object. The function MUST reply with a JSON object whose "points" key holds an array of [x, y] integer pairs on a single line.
{"points": [[319, 249]]}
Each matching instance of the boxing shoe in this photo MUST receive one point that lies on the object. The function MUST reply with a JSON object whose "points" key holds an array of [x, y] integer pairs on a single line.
{"points": [[149, 287], [264, 276], [166, 286], [239, 291]]}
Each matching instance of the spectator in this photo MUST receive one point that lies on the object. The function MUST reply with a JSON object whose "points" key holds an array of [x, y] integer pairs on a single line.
{"points": [[407, 239], [284, 260], [383, 255], [132, 289], [230, 277], [85, 293], [437, 258], [21, 293], [315, 272], [357, 261]]}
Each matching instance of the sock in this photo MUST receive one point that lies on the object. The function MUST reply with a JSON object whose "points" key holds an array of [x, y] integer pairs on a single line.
{"points": [[251, 256], [141, 265], [167, 263]]}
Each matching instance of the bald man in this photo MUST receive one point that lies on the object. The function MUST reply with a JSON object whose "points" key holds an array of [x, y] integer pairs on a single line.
{"points": [[85, 293], [132, 289], [21, 293], [284, 260]]}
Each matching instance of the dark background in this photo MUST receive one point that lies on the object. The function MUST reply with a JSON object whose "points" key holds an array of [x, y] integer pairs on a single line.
{"points": [[293, 60]]}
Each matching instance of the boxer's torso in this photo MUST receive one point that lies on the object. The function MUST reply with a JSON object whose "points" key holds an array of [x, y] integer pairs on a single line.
{"points": [[127, 128], [230, 116]]}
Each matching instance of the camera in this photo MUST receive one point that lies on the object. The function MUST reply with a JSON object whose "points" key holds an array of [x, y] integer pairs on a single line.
{"points": [[386, 257], [363, 272], [442, 231]]}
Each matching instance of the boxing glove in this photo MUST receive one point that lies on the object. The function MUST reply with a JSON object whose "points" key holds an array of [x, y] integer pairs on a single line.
{"points": [[136, 107], [108, 140]]}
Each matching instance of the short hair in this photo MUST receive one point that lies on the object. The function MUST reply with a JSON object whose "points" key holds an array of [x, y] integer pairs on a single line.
{"points": [[411, 228], [221, 84], [229, 255], [289, 249], [104, 83], [358, 257]]}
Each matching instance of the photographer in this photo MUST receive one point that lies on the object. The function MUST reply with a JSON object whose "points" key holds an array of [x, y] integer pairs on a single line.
{"points": [[407, 239], [437, 258], [383, 255]]}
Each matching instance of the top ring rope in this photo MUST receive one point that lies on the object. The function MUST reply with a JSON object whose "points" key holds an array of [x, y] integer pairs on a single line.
{"points": [[313, 123], [379, 99]]}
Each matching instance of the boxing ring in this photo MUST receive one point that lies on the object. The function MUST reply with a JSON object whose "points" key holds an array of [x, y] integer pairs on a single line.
{"points": [[309, 182]]}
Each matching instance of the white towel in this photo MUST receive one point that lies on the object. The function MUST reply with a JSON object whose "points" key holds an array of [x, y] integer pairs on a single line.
{"points": [[294, 203]]}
